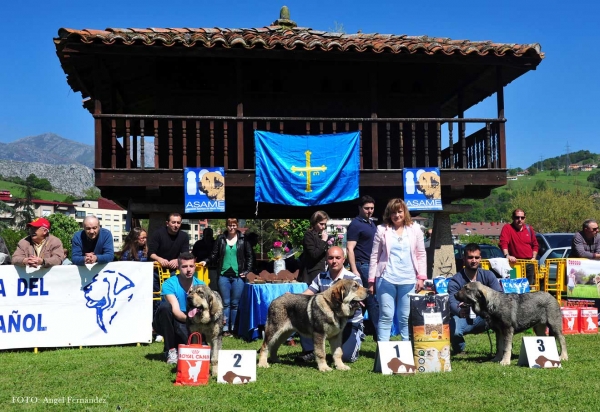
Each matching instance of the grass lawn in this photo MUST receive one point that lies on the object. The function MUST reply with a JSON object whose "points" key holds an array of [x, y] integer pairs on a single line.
{"points": [[585, 291], [133, 378]]}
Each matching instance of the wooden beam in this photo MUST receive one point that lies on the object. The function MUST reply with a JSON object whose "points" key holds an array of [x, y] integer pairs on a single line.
{"points": [[501, 128]]}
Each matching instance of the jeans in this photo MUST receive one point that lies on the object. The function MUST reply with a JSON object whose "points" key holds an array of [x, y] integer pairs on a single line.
{"points": [[231, 291], [165, 324], [393, 299], [352, 337], [372, 306], [463, 326]]}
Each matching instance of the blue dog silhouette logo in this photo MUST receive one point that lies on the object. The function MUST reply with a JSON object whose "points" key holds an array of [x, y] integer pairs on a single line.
{"points": [[103, 292]]}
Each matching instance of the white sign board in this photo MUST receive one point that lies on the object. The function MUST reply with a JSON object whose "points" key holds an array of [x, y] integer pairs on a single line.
{"points": [[71, 305], [539, 352], [395, 358], [236, 366]]}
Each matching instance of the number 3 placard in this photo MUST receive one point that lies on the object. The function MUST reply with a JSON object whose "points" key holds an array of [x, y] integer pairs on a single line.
{"points": [[236, 366], [539, 352]]}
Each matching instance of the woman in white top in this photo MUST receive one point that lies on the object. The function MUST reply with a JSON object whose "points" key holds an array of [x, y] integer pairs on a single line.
{"points": [[397, 267]]}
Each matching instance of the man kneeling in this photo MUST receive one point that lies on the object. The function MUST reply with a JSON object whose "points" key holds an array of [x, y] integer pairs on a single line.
{"points": [[352, 335], [170, 317], [464, 321]]}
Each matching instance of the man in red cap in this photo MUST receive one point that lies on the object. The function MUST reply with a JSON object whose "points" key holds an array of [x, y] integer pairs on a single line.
{"points": [[40, 248]]}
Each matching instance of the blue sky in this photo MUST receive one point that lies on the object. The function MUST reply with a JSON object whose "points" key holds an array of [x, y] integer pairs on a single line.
{"points": [[546, 109]]}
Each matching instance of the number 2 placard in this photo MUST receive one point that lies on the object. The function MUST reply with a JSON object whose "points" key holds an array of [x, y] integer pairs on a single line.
{"points": [[236, 366], [539, 352]]}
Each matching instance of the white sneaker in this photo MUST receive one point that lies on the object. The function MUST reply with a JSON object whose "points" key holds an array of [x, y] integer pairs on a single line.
{"points": [[158, 338], [172, 357]]}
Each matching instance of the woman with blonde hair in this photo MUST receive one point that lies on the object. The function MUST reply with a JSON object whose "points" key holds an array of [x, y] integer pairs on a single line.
{"points": [[398, 267]]}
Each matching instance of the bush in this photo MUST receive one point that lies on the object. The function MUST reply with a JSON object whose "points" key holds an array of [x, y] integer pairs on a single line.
{"points": [[12, 237], [63, 227]]}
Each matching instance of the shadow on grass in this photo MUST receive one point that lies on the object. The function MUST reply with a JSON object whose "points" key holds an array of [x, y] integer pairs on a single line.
{"points": [[156, 356]]}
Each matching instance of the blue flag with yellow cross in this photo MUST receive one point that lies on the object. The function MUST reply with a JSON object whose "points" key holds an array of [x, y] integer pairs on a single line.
{"points": [[306, 170]]}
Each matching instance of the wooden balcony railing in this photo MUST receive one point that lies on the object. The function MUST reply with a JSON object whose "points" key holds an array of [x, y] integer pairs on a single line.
{"points": [[174, 142]]}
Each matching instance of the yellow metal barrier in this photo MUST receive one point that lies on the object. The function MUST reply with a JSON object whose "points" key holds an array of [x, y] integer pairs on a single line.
{"points": [[555, 277], [165, 273], [520, 270]]}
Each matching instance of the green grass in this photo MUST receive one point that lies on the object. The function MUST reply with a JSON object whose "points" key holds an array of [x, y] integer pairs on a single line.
{"points": [[573, 181], [133, 378], [17, 192], [585, 291]]}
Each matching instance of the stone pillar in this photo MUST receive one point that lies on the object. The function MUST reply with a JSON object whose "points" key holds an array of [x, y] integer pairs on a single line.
{"points": [[440, 259], [440, 255]]}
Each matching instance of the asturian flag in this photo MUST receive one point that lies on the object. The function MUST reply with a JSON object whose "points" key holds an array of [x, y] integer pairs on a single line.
{"points": [[305, 170]]}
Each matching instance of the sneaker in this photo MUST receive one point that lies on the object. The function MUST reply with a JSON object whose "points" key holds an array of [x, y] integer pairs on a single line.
{"points": [[227, 334], [158, 338], [305, 357], [172, 357]]}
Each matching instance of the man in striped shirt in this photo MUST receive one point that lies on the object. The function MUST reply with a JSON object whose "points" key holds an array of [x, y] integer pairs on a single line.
{"points": [[352, 335]]}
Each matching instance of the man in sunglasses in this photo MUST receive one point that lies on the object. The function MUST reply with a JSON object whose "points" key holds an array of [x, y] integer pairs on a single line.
{"points": [[586, 244], [517, 241], [464, 321]]}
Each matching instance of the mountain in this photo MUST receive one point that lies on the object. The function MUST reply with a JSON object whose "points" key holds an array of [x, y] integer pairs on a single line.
{"points": [[48, 148], [65, 163], [559, 162], [73, 178]]}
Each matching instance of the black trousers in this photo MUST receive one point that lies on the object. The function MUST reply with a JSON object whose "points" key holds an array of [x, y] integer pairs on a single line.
{"points": [[173, 331]]}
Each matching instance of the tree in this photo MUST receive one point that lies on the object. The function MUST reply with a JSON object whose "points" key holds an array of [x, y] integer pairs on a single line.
{"points": [[24, 212], [92, 193], [532, 171], [266, 231], [555, 211], [594, 178], [479, 239], [12, 237], [63, 227], [554, 173], [540, 185]]}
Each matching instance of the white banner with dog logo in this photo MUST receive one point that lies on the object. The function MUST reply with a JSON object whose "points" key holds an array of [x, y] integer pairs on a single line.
{"points": [[75, 306]]}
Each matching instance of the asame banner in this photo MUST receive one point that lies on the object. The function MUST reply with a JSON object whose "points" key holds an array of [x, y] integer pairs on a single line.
{"points": [[71, 305], [423, 188], [204, 189]]}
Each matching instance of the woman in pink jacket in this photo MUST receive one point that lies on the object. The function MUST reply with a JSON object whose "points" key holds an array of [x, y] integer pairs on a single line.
{"points": [[397, 267]]}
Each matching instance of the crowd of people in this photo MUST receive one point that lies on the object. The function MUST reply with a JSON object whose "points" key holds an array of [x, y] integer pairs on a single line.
{"points": [[389, 259]]}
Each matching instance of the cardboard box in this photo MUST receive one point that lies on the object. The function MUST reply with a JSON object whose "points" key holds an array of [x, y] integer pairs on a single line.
{"points": [[570, 320], [588, 320]]}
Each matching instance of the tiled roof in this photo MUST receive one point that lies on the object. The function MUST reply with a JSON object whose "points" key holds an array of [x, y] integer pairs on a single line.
{"points": [[108, 204], [492, 229], [297, 38]]}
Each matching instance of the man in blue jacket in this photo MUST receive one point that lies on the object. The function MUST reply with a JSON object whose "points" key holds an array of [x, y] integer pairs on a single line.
{"points": [[93, 244], [464, 321]]}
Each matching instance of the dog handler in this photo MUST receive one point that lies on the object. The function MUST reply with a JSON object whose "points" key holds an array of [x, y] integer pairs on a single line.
{"points": [[463, 321], [169, 318], [352, 335]]}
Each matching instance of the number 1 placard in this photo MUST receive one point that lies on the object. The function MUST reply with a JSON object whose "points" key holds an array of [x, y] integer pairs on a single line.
{"points": [[395, 358], [236, 366], [539, 352]]}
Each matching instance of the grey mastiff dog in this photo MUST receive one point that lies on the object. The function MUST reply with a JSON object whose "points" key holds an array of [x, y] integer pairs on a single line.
{"points": [[508, 314]]}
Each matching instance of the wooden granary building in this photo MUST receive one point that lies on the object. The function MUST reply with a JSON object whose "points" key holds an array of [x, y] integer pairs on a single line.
{"points": [[165, 99]]}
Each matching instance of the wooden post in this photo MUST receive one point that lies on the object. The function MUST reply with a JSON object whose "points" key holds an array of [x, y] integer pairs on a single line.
{"points": [[97, 135], [501, 129]]}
